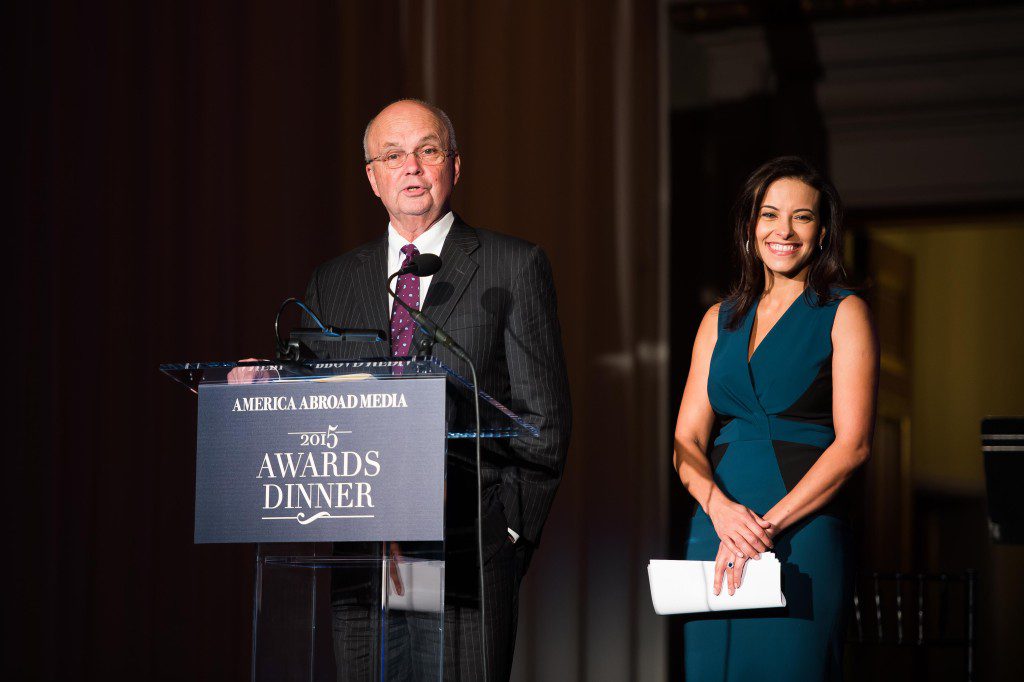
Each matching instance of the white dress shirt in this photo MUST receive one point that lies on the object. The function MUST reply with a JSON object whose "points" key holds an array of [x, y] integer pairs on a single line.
{"points": [[430, 241]]}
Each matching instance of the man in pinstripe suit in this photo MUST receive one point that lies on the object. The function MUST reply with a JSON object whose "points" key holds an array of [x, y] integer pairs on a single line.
{"points": [[494, 294]]}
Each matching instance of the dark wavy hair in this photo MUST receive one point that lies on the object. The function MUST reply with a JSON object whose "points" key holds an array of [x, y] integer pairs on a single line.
{"points": [[826, 272]]}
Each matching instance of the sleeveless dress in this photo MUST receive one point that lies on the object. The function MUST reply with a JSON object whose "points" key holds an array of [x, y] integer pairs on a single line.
{"points": [[777, 414]]}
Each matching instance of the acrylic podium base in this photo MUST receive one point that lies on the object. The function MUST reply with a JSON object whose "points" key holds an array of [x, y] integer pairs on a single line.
{"points": [[341, 617]]}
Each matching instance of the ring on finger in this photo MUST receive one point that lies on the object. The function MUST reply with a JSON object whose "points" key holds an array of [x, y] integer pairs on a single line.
{"points": [[729, 565]]}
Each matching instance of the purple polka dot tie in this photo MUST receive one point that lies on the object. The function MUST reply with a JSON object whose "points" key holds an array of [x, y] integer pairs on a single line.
{"points": [[402, 326]]}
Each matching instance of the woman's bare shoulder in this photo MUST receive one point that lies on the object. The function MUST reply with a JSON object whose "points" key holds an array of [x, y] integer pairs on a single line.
{"points": [[853, 319], [707, 333], [853, 309]]}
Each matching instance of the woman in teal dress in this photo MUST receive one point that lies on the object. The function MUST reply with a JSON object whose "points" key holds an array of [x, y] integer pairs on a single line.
{"points": [[788, 363]]}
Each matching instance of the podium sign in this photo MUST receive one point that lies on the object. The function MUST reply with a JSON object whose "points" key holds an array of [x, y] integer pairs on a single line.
{"points": [[321, 461]]}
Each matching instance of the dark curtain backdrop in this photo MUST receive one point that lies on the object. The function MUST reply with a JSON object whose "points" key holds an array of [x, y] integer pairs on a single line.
{"points": [[182, 167]]}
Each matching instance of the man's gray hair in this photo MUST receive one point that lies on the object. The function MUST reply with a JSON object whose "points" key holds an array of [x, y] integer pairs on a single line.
{"points": [[453, 146]]}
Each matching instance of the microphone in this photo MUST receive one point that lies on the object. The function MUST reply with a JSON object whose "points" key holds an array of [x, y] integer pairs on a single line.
{"points": [[424, 265]]}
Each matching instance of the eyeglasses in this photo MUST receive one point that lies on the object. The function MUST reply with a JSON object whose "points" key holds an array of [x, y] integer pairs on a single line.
{"points": [[428, 156]]}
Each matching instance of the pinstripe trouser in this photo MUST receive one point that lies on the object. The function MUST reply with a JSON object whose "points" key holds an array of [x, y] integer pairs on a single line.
{"points": [[412, 636]]}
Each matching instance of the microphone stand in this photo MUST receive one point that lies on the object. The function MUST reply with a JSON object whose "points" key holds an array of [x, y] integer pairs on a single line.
{"points": [[434, 333]]}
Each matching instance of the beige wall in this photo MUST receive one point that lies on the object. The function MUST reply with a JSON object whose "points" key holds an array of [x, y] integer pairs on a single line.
{"points": [[968, 352]]}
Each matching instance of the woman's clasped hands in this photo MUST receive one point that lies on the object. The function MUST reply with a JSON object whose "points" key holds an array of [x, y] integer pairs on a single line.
{"points": [[743, 534]]}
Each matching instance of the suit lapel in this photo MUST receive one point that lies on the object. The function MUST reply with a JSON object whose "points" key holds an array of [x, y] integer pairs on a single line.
{"points": [[372, 287], [457, 269]]}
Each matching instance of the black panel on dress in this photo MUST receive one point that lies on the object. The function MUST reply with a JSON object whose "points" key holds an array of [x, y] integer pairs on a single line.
{"points": [[716, 455], [815, 404], [795, 460]]}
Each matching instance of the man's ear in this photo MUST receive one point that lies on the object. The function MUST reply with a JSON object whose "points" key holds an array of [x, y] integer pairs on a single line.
{"points": [[458, 168], [372, 178]]}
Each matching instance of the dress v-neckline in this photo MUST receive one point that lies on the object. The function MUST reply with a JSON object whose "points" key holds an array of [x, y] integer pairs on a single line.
{"points": [[753, 318]]}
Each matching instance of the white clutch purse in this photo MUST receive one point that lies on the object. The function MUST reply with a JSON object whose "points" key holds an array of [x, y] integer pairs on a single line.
{"points": [[686, 586]]}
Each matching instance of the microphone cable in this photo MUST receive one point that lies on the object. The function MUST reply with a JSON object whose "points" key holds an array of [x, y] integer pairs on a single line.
{"points": [[281, 347], [422, 266], [479, 519]]}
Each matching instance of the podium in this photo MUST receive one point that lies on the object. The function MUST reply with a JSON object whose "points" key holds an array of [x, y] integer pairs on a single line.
{"points": [[336, 472]]}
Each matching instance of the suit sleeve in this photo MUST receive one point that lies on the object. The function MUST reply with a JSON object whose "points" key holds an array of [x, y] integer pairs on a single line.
{"points": [[540, 394]]}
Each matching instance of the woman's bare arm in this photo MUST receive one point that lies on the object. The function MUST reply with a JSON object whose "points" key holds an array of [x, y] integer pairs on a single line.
{"points": [[696, 418]]}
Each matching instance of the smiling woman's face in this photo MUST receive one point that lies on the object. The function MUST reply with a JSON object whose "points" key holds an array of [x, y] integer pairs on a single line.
{"points": [[788, 231]]}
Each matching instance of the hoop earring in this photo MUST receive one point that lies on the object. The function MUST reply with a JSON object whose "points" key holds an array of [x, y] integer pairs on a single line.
{"points": [[746, 246]]}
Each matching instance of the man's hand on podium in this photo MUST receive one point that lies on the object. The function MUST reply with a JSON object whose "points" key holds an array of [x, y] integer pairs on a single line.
{"points": [[251, 375], [396, 577]]}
